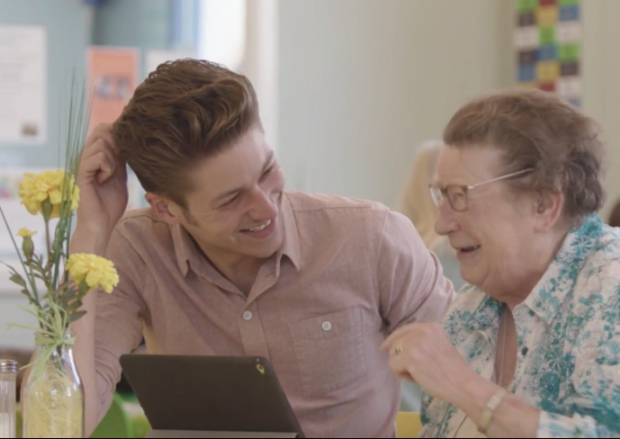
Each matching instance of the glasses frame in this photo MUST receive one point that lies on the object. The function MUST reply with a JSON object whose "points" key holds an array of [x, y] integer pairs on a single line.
{"points": [[440, 195]]}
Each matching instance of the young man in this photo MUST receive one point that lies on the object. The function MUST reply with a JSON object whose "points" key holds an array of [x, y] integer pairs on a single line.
{"points": [[225, 262]]}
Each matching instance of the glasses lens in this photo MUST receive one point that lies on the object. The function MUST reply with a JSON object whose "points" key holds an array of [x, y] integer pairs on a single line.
{"points": [[436, 195], [457, 198]]}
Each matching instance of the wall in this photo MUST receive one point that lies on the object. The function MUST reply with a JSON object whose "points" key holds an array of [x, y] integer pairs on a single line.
{"points": [[68, 24], [144, 24], [260, 62], [601, 64], [136, 23], [362, 83]]}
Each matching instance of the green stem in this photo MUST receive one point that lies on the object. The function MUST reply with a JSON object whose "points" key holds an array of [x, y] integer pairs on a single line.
{"points": [[49, 244], [31, 278], [31, 273], [50, 259], [58, 248]]}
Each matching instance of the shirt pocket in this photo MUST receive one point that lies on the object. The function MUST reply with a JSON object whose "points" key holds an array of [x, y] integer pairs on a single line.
{"points": [[330, 351]]}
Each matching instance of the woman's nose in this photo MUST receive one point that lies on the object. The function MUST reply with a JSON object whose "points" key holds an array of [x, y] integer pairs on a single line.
{"points": [[447, 221]]}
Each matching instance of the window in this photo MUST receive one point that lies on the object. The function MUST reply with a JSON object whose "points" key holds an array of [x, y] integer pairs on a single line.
{"points": [[222, 31]]}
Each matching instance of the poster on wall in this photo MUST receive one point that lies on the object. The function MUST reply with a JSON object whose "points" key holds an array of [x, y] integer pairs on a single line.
{"points": [[548, 40], [23, 85], [113, 75]]}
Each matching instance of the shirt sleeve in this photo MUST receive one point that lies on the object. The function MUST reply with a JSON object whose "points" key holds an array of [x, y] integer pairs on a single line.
{"points": [[595, 403], [118, 330], [411, 282]]}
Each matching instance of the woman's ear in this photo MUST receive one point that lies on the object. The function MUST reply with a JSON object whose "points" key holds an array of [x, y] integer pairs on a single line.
{"points": [[548, 210]]}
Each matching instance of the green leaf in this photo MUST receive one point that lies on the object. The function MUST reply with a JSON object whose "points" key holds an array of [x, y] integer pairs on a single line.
{"points": [[76, 316], [18, 280], [15, 325], [44, 341], [69, 294], [75, 306], [25, 291], [84, 288], [31, 300], [37, 267]]}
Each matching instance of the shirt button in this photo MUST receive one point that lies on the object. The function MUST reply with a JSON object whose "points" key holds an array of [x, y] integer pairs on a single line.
{"points": [[247, 316], [327, 326]]}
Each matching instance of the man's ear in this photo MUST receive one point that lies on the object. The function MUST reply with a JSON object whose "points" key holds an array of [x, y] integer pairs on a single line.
{"points": [[165, 209]]}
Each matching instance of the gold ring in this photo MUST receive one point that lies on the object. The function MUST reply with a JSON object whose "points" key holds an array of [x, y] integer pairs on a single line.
{"points": [[398, 350]]}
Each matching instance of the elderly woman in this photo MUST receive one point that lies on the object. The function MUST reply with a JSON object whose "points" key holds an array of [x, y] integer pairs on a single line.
{"points": [[531, 347]]}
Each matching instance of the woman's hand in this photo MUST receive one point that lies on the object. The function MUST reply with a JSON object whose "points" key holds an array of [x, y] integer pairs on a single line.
{"points": [[423, 354]]}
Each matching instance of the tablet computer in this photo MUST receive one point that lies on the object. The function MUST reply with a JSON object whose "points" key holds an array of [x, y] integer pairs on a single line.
{"points": [[210, 394]]}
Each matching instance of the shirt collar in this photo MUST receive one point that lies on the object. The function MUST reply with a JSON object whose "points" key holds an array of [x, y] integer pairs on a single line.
{"points": [[483, 312], [557, 284], [184, 248], [292, 245], [187, 252], [552, 290]]}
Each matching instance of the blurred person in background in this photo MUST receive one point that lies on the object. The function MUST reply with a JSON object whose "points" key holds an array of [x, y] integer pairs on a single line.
{"points": [[417, 204], [614, 217]]}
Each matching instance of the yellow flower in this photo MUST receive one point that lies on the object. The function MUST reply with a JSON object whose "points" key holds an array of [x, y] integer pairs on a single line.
{"points": [[25, 232], [93, 271], [27, 244], [48, 186]]}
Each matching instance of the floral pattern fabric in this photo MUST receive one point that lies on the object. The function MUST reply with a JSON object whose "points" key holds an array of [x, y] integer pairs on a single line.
{"points": [[568, 333]]}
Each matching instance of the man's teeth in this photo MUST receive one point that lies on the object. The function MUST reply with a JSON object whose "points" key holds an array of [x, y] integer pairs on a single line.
{"points": [[260, 228]]}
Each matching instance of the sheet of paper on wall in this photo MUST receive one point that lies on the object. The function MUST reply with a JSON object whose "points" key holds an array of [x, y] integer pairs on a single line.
{"points": [[23, 85], [154, 58], [113, 75]]}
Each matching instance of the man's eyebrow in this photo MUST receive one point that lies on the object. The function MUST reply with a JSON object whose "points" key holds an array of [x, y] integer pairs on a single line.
{"points": [[227, 194]]}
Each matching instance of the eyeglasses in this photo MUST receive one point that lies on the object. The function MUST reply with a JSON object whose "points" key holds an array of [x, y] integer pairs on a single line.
{"points": [[457, 195]]}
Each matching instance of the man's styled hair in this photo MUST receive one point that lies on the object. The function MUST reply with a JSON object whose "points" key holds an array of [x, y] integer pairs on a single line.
{"points": [[185, 111]]}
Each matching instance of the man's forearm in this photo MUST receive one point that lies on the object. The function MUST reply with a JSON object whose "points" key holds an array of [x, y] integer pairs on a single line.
{"points": [[85, 241], [84, 352]]}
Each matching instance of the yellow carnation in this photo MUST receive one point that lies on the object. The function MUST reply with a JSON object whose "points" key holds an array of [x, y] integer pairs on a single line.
{"points": [[35, 189], [25, 232], [94, 271]]}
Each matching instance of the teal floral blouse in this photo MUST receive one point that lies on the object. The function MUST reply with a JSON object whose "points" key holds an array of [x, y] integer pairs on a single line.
{"points": [[569, 341]]}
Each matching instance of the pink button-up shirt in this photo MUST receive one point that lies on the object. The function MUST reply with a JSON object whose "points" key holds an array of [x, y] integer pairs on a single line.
{"points": [[349, 273]]}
